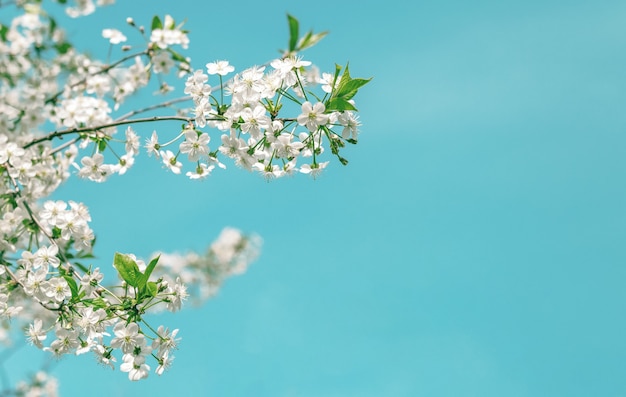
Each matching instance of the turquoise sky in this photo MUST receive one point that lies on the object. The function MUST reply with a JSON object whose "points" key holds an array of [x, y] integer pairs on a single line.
{"points": [[473, 247]]}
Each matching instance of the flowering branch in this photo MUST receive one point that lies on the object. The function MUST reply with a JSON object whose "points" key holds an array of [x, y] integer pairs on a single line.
{"points": [[277, 119], [165, 104], [102, 70], [60, 134]]}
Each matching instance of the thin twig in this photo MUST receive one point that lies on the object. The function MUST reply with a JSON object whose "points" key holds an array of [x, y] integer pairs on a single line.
{"points": [[153, 107], [103, 70]]}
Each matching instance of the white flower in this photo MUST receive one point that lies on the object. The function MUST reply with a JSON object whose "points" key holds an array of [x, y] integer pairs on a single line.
{"points": [[135, 366], [104, 356], [327, 82], [162, 62], [91, 280], [350, 123], [90, 322], [285, 146], [165, 341], [169, 35], [53, 211], [314, 169], [312, 116], [126, 161], [152, 145], [67, 340], [132, 141], [58, 289], [36, 285], [165, 361], [114, 36], [93, 169], [127, 337], [170, 161], [35, 334], [201, 171], [219, 67], [195, 145], [177, 295], [254, 120], [46, 256]]}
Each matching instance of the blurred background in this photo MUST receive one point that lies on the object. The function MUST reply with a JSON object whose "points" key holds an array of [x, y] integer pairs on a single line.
{"points": [[474, 246]]}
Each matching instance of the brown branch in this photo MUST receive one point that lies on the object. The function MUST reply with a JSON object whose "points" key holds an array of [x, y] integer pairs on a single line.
{"points": [[60, 134]]}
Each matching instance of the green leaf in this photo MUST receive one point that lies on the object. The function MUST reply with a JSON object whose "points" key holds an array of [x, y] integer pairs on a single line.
{"points": [[143, 279], [63, 48], [339, 104], [81, 266], [8, 78], [349, 89], [151, 266], [156, 23], [85, 255], [337, 71], [97, 302], [73, 286], [151, 289], [294, 27], [127, 269], [345, 78], [177, 57], [52, 27], [310, 39]]}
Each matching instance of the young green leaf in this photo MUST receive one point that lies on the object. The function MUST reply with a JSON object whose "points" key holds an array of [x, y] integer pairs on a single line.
{"points": [[102, 145], [53, 26], [72, 284], [294, 28], [3, 32], [345, 78], [127, 269], [346, 89], [143, 279], [63, 48], [151, 289], [156, 23], [339, 104], [97, 303], [349, 89], [310, 39], [176, 56]]}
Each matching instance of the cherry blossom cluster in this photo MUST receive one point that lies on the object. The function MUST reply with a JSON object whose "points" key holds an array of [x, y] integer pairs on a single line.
{"points": [[40, 384], [229, 255], [255, 134], [62, 113]]}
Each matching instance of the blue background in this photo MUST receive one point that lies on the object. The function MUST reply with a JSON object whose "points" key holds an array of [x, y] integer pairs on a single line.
{"points": [[473, 247]]}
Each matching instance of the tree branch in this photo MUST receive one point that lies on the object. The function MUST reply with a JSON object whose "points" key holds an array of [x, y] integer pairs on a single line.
{"points": [[59, 134]]}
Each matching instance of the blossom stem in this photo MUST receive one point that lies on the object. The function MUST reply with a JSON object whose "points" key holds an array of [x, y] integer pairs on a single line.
{"points": [[301, 86]]}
